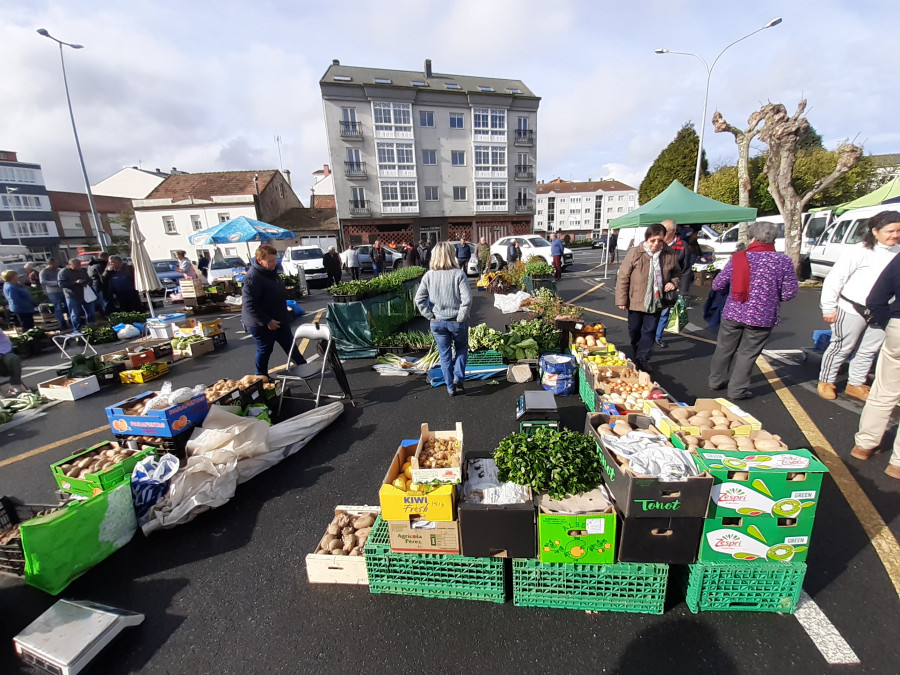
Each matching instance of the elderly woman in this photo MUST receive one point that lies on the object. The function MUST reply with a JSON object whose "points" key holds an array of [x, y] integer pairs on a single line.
{"points": [[760, 280], [843, 304], [444, 298], [648, 270], [19, 299]]}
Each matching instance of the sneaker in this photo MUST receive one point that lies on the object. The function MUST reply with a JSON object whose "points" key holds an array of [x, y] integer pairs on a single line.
{"points": [[863, 453], [451, 392], [827, 391], [860, 391], [893, 471]]}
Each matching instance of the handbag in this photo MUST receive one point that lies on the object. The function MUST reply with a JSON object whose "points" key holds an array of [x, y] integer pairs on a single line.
{"points": [[89, 295], [669, 298], [862, 310]]}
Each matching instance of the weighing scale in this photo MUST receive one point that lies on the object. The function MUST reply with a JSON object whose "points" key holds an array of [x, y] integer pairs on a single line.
{"points": [[537, 409], [64, 639]]}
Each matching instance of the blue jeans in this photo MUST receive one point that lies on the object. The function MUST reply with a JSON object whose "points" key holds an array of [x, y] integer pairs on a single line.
{"points": [[265, 344], [450, 336], [663, 322], [76, 307], [58, 300]]}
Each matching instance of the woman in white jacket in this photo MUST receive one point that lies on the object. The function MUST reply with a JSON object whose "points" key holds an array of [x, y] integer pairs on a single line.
{"points": [[843, 303]]}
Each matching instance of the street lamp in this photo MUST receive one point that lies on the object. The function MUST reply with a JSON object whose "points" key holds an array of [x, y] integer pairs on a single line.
{"points": [[87, 184], [709, 69], [9, 191]]}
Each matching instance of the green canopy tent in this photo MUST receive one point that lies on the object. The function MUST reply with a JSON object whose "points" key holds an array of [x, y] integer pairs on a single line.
{"points": [[889, 193], [685, 208]]}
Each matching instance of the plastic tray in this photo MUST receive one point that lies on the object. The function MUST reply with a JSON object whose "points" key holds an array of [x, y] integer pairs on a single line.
{"points": [[484, 357], [754, 586], [619, 587], [432, 576]]}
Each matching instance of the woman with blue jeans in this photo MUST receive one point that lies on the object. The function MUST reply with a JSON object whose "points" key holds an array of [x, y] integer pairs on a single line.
{"points": [[444, 298]]}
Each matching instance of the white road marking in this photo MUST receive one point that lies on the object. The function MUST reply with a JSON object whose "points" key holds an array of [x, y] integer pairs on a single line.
{"points": [[822, 632], [37, 370]]}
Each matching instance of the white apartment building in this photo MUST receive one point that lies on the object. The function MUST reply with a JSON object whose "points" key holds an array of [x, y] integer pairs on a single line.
{"points": [[424, 155], [581, 210]]}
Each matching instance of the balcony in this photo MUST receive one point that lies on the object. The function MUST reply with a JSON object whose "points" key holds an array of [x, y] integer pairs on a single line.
{"points": [[524, 137], [351, 130], [359, 207], [355, 170], [524, 172], [524, 206]]}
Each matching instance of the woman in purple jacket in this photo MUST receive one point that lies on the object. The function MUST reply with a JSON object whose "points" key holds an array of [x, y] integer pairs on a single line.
{"points": [[760, 281]]}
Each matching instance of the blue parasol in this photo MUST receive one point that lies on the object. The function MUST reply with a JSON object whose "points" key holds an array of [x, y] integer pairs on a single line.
{"points": [[238, 230]]}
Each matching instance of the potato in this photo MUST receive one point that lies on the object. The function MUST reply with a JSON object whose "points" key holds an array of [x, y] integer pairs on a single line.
{"points": [[705, 424], [605, 430], [744, 444], [762, 434], [622, 428], [364, 521], [735, 424], [680, 413], [65, 468], [363, 533], [333, 529], [703, 413], [343, 520], [356, 551], [766, 445], [697, 420], [741, 475], [722, 441], [335, 544], [695, 440], [720, 427], [338, 551]]}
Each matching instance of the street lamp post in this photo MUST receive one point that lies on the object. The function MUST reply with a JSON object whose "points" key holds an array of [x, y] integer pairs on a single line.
{"points": [[9, 191], [709, 69], [87, 184]]}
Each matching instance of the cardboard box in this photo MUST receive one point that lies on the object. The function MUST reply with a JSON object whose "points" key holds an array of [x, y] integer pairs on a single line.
{"points": [[731, 539], [783, 484], [69, 389], [197, 327], [424, 536], [196, 349], [138, 359], [340, 569], [167, 422], [141, 376], [449, 475], [397, 504], [659, 540], [496, 530], [659, 411], [253, 394], [647, 496], [582, 539]]}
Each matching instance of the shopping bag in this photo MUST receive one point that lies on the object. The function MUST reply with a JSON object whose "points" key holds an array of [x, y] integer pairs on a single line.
{"points": [[150, 481], [89, 295], [677, 317]]}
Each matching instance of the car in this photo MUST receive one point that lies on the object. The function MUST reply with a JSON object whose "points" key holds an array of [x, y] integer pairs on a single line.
{"points": [[531, 246], [845, 231], [307, 258], [392, 259], [472, 267], [599, 242], [168, 273], [226, 268]]}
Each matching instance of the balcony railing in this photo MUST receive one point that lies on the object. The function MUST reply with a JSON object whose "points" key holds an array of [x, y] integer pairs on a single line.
{"points": [[351, 129], [524, 137], [524, 206], [359, 207], [355, 169], [524, 171]]}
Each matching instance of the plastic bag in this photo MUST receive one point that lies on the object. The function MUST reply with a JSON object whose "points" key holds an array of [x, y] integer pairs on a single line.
{"points": [[558, 372], [511, 303], [677, 317], [128, 332], [150, 482]]}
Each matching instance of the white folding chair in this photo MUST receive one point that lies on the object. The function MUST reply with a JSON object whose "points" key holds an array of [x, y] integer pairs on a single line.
{"points": [[314, 370]]}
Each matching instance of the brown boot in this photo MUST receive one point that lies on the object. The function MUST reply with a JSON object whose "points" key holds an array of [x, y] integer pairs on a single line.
{"points": [[827, 391], [862, 453], [893, 471], [860, 391]]}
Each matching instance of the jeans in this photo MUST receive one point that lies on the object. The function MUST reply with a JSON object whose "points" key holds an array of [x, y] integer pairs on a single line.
{"points": [[450, 336], [265, 344], [376, 269], [642, 330], [58, 300], [26, 321], [76, 308], [737, 348], [663, 322]]}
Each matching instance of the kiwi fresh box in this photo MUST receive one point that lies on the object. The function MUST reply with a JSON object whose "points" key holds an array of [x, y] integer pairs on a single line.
{"points": [[782, 484], [743, 538]]}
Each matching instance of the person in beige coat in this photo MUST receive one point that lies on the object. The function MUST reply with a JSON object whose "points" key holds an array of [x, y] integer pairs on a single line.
{"points": [[648, 270]]}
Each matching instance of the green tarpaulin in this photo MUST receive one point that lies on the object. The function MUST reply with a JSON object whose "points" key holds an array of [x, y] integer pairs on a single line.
{"points": [[889, 193], [685, 208]]}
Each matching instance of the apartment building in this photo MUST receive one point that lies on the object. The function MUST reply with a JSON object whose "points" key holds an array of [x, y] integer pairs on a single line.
{"points": [[26, 220], [425, 155], [581, 210]]}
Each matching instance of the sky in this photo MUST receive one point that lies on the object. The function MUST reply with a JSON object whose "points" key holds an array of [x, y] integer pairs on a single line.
{"points": [[207, 85]]}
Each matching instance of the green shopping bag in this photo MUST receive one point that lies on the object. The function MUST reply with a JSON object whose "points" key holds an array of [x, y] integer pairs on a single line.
{"points": [[63, 545], [677, 317]]}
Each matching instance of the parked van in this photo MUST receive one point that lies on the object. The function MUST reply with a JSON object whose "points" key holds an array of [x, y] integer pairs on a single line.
{"points": [[844, 232], [726, 243]]}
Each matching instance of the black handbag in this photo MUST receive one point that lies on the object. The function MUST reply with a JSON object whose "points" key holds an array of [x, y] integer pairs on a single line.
{"points": [[669, 298]]}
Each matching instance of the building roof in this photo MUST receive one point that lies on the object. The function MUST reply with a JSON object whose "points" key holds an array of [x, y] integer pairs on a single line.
{"points": [[892, 159], [437, 81], [179, 187], [560, 185], [78, 201], [308, 220]]}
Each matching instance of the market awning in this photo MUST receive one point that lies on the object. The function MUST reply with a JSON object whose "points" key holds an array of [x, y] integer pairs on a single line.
{"points": [[889, 193], [685, 208]]}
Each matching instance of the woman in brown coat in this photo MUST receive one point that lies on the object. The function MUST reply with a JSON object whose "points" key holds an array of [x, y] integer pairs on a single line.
{"points": [[648, 270]]}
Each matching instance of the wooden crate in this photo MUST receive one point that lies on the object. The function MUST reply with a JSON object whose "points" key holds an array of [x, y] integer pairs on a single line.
{"points": [[340, 569]]}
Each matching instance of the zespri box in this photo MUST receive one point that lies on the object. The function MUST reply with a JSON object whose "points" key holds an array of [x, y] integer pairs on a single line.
{"points": [[447, 475], [746, 538], [780, 484], [166, 422], [397, 504], [741, 423]]}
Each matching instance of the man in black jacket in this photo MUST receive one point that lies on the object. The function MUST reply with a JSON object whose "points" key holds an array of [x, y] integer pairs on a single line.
{"points": [[96, 267], [264, 310]]}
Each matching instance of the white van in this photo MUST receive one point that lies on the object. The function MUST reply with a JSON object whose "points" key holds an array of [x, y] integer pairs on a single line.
{"points": [[844, 232], [726, 243]]}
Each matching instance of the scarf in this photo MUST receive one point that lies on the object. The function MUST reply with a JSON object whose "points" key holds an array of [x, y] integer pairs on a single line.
{"points": [[740, 272], [654, 283]]}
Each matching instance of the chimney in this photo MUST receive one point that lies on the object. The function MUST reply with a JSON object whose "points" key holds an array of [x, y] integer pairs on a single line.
{"points": [[158, 171], [327, 171], [335, 62], [174, 170], [427, 67], [287, 176]]}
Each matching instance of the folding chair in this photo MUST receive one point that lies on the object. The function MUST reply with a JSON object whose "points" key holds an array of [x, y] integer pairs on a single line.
{"points": [[303, 372]]}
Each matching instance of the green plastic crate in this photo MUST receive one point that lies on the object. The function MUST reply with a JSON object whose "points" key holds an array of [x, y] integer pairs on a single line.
{"points": [[531, 426], [587, 392], [105, 479], [619, 587], [484, 357], [431, 576], [754, 586]]}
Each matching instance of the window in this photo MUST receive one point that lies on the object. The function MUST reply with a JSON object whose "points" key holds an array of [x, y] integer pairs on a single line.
{"points": [[196, 223], [27, 229], [224, 217], [490, 161], [399, 196], [419, 83], [395, 159], [540, 212], [490, 196], [459, 193], [484, 87], [426, 118], [609, 209], [522, 124], [562, 200], [621, 197], [357, 198], [382, 80], [458, 157], [280, 190], [456, 120], [452, 85], [522, 194], [429, 157], [392, 120], [21, 202], [514, 90], [619, 209], [431, 193], [9, 174], [169, 225], [343, 78], [348, 115]]}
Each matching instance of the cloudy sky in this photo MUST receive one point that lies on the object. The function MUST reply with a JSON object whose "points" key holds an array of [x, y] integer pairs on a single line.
{"points": [[206, 85]]}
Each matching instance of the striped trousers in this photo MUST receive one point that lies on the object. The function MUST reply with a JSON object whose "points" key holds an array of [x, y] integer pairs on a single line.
{"points": [[849, 332]]}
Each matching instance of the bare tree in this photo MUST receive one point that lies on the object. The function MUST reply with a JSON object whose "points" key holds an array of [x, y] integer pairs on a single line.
{"points": [[782, 133], [742, 140]]}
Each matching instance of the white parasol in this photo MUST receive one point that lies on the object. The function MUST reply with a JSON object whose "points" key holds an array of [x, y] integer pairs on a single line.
{"points": [[145, 279]]}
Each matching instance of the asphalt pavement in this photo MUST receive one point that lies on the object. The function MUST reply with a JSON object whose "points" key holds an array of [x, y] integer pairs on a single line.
{"points": [[227, 593]]}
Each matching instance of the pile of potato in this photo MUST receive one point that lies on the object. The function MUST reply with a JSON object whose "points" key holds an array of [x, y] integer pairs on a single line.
{"points": [[11, 533], [762, 441], [222, 387], [703, 419], [347, 534], [439, 453], [98, 460]]}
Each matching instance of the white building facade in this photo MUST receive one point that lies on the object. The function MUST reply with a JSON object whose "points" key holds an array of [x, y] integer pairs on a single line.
{"points": [[581, 210]]}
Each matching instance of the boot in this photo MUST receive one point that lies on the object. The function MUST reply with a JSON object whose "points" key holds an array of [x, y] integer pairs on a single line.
{"points": [[860, 391], [827, 391], [893, 471], [863, 453]]}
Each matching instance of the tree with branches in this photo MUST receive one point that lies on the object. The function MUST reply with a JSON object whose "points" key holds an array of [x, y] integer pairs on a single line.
{"points": [[742, 139]]}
